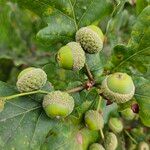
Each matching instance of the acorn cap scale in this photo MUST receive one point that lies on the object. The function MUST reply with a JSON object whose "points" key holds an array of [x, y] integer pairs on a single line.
{"points": [[118, 87], [94, 120], [31, 79], [58, 104], [71, 56], [91, 38]]}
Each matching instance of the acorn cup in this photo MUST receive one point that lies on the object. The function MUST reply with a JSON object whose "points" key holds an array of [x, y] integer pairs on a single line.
{"points": [[31, 79], [143, 146], [58, 104], [91, 38], [111, 141], [94, 121], [96, 146], [118, 87], [71, 56], [115, 125]]}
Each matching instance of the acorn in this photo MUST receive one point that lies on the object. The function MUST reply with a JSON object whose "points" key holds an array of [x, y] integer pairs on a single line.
{"points": [[96, 146], [118, 87], [128, 114], [115, 125], [91, 38], [71, 56], [58, 104], [94, 120], [143, 146], [31, 79], [111, 141]]}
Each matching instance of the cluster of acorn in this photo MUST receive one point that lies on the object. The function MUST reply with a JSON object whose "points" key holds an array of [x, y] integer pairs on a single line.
{"points": [[55, 103], [116, 127], [71, 56], [117, 87]]}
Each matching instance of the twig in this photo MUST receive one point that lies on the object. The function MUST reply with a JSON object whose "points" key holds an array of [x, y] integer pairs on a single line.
{"points": [[102, 134], [127, 133], [99, 103], [77, 89], [89, 74], [24, 94]]}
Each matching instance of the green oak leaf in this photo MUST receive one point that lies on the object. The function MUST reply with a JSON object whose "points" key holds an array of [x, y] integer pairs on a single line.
{"points": [[63, 18], [23, 123], [71, 138], [143, 98], [135, 57], [141, 4]]}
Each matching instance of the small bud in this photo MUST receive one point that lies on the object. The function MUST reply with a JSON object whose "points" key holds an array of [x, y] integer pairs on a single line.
{"points": [[135, 108]]}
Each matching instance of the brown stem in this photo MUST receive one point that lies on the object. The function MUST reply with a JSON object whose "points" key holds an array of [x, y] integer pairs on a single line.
{"points": [[88, 85], [133, 2], [89, 74], [77, 89]]}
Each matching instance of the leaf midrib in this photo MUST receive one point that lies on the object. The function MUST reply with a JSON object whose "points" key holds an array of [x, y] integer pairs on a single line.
{"points": [[22, 113], [130, 57]]}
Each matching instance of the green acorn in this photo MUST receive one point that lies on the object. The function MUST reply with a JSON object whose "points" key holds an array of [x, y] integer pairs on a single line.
{"points": [[94, 120], [143, 146], [128, 114], [58, 104], [96, 146], [91, 38], [115, 125], [71, 56], [118, 87], [111, 141], [31, 79]]}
